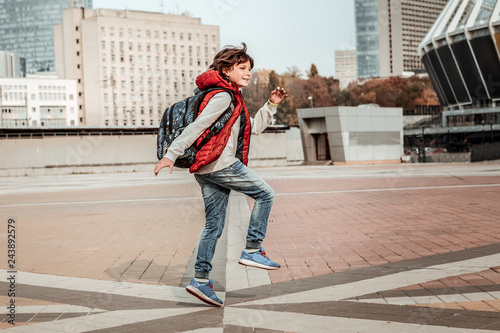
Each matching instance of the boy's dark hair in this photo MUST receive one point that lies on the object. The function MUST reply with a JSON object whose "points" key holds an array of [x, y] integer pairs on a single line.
{"points": [[230, 56]]}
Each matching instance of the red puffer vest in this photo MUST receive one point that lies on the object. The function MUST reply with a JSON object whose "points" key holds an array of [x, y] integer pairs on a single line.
{"points": [[214, 147]]}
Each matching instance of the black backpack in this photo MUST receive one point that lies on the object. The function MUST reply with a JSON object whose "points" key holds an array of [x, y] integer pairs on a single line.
{"points": [[178, 116]]}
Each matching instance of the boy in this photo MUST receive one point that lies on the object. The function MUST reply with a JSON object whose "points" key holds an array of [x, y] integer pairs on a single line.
{"points": [[220, 165]]}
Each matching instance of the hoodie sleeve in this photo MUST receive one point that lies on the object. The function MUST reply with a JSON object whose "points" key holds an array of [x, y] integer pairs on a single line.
{"points": [[262, 118], [215, 107]]}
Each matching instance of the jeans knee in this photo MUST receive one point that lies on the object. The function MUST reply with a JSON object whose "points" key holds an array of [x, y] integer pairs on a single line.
{"points": [[269, 194]]}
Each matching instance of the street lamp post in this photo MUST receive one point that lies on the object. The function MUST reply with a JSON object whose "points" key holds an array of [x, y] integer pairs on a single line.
{"points": [[491, 130], [483, 131], [311, 99]]}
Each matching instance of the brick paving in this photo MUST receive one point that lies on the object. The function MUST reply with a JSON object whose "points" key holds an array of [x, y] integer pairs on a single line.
{"points": [[342, 228], [112, 253]]}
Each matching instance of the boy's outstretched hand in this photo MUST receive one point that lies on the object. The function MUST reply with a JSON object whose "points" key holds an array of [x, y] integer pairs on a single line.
{"points": [[164, 163], [277, 95]]}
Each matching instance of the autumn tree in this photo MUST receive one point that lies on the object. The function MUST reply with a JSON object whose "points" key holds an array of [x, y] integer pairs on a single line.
{"points": [[313, 71], [406, 93]]}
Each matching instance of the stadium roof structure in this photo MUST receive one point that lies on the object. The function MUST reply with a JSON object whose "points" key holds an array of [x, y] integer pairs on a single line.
{"points": [[461, 54]]}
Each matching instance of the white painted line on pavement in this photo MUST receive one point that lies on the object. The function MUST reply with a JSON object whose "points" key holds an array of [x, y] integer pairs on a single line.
{"points": [[99, 202], [239, 276], [56, 308], [297, 322], [390, 189]]}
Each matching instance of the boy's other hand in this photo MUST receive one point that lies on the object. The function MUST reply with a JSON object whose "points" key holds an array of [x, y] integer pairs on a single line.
{"points": [[164, 163]]}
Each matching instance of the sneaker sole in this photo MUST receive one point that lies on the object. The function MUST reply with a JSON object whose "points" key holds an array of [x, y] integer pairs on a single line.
{"points": [[251, 263], [201, 296]]}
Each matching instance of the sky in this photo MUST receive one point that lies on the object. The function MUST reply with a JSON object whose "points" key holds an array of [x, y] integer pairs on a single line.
{"points": [[279, 34]]}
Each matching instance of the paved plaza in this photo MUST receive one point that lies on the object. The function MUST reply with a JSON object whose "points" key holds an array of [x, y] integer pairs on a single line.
{"points": [[387, 248]]}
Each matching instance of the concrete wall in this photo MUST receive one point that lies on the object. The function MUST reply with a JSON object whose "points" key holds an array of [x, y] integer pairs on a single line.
{"points": [[117, 153], [485, 152], [445, 158]]}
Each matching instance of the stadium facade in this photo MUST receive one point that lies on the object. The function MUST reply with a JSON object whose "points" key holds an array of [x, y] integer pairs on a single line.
{"points": [[461, 54]]}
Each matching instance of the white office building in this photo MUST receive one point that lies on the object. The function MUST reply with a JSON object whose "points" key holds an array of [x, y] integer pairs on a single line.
{"points": [[130, 65], [345, 67], [38, 101], [12, 65]]}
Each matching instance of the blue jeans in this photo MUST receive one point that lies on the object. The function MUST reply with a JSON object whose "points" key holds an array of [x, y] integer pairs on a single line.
{"points": [[215, 188]]}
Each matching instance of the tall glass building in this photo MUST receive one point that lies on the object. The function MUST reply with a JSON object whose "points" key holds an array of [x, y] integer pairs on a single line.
{"points": [[26, 27], [367, 38], [388, 33]]}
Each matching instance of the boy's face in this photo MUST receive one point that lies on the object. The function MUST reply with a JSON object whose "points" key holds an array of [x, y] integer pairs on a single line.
{"points": [[240, 74]]}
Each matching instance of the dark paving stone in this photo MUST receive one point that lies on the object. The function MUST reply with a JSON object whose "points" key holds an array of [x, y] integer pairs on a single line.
{"points": [[237, 329], [263, 330], [489, 287], [392, 293], [42, 317], [418, 292], [67, 315], [240, 329], [23, 317], [93, 299], [493, 327], [367, 296], [389, 312]]}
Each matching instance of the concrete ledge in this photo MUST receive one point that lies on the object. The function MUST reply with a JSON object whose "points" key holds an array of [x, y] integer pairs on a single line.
{"points": [[72, 170], [368, 162]]}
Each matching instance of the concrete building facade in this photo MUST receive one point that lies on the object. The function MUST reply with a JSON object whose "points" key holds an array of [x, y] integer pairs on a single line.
{"points": [[37, 101], [388, 33], [12, 65], [345, 67], [352, 135], [131, 65], [26, 28]]}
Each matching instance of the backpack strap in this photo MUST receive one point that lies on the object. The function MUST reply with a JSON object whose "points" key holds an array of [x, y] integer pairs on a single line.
{"points": [[224, 117], [198, 102]]}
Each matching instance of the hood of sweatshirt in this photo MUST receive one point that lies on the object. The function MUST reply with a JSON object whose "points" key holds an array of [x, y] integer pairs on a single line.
{"points": [[211, 78]]}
